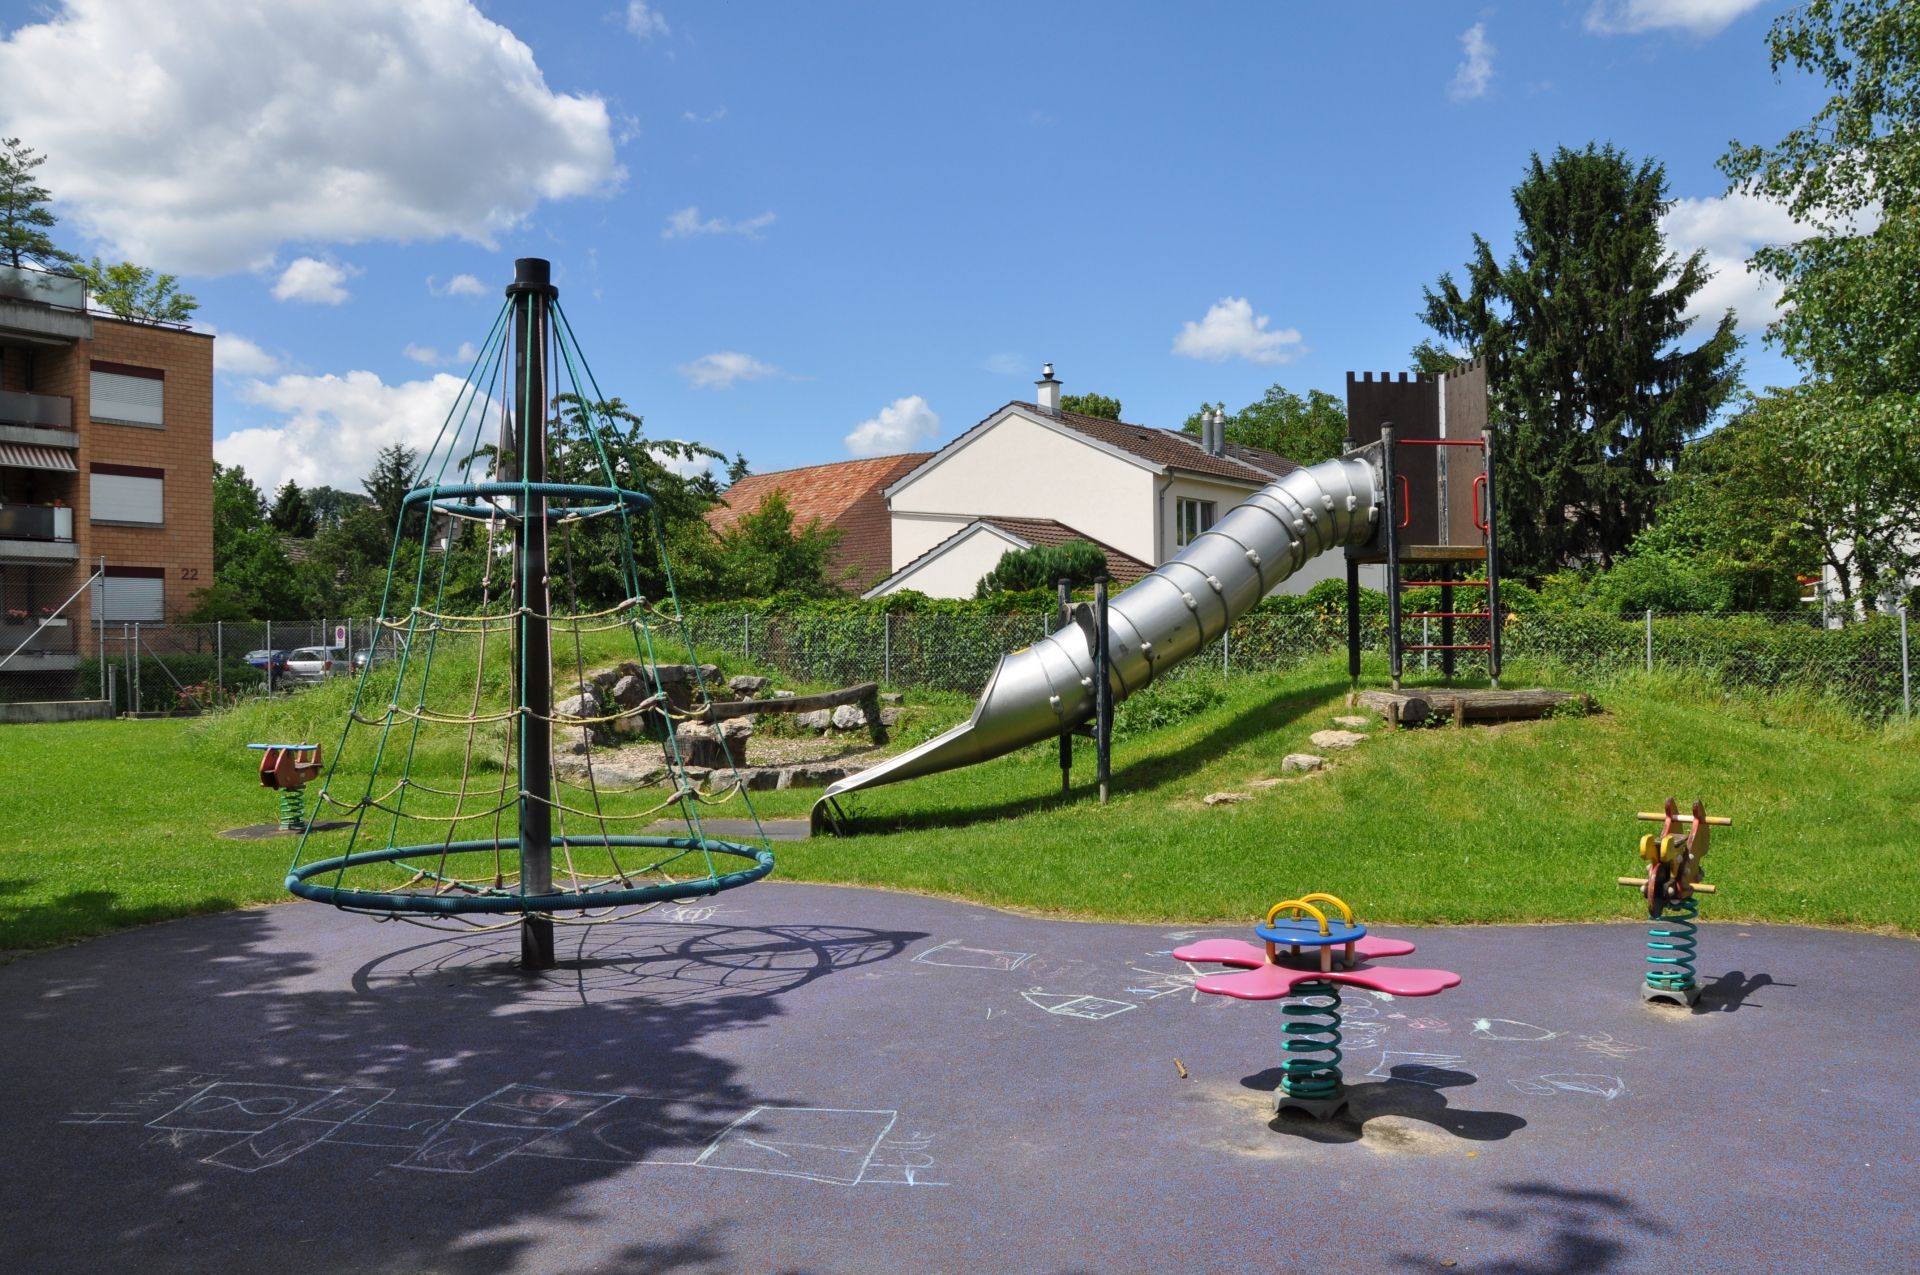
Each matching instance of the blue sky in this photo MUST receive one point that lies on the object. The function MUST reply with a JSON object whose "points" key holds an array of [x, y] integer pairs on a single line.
{"points": [[805, 232]]}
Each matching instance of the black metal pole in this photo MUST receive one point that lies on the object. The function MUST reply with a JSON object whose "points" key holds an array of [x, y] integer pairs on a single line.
{"points": [[1353, 620], [1066, 735], [1102, 689], [1394, 510], [1493, 566], [1446, 620], [532, 293]]}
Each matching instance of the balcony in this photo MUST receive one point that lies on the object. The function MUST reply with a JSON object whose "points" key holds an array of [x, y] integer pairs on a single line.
{"points": [[48, 649], [37, 533], [42, 308], [37, 421]]}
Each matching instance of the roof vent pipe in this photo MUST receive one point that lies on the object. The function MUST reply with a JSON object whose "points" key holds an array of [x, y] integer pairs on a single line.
{"points": [[1047, 391], [1216, 434]]}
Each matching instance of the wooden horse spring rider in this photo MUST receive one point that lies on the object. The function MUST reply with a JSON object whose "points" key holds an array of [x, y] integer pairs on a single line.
{"points": [[1672, 880], [1311, 1084], [289, 768]]}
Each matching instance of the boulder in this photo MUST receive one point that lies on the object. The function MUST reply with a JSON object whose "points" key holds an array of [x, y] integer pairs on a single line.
{"points": [[784, 694], [892, 697], [719, 746], [1301, 762], [1337, 739], [1225, 798], [849, 717], [816, 774], [746, 686], [818, 719], [890, 716], [628, 691]]}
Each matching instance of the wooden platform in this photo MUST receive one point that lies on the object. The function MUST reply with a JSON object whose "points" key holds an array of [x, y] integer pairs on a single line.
{"points": [[1414, 707]]}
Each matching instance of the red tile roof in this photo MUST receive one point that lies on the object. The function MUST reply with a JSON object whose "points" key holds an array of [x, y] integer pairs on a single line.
{"points": [[847, 495], [1123, 567]]}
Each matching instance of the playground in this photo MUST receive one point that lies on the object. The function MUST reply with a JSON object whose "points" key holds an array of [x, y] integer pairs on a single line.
{"points": [[547, 1003], [812, 1078]]}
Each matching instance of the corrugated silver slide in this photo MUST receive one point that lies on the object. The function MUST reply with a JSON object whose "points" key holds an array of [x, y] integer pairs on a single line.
{"points": [[1044, 689]]}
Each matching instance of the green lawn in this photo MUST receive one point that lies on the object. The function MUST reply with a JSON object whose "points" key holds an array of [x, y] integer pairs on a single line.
{"points": [[106, 824]]}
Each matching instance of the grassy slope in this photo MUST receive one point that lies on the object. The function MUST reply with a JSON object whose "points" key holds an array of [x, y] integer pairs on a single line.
{"points": [[113, 823]]}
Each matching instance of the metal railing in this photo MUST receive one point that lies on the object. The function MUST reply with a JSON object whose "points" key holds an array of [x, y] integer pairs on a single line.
{"points": [[36, 411], [23, 283]]}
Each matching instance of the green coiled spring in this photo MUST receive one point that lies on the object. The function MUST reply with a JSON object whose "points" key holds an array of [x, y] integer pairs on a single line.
{"points": [[1671, 945], [293, 810], [1312, 1027]]}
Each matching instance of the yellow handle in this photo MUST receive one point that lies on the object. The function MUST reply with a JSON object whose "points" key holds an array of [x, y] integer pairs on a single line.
{"points": [[1345, 911], [1655, 816], [1298, 906]]}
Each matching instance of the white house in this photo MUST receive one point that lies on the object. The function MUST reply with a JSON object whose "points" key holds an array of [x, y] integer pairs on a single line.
{"points": [[1136, 492]]}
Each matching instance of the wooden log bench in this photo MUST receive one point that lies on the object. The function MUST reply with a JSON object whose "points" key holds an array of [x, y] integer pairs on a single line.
{"points": [[1411, 708]]}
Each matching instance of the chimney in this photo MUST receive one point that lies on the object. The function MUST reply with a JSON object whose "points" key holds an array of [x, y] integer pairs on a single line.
{"points": [[1047, 391], [1213, 432]]}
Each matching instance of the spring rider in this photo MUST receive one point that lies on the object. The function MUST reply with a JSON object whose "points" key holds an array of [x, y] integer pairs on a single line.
{"points": [[289, 768], [1672, 880], [1310, 1077]]}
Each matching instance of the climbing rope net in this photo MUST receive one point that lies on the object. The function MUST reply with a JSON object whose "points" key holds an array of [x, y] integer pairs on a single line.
{"points": [[485, 720]]}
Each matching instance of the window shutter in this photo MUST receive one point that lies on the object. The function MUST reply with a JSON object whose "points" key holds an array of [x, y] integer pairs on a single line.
{"points": [[133, 400], [130, 599], [119, 497]]}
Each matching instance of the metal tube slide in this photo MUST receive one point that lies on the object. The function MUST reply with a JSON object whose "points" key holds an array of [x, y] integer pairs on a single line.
{"points": [[1039, 691]]}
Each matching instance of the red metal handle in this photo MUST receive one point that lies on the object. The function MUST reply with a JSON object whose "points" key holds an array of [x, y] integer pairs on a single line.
{"points": [[1479, 521], [1406, 501]]}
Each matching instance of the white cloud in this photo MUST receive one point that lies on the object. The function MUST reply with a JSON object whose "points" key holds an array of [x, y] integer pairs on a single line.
{"points": [[237, 356], [1698, 17], [1232, 330], [722, 368], [711, 117], [242, 125], [1006, 363], [310, 279], [1729, 229], [687, 222], [643, 22], [461, 285], [331, 427], [428, 355], [1471, 77], [685, 466], [900, 425]]}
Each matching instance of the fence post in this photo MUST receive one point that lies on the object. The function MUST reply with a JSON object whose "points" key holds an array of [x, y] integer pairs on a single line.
{"points": [[1649, 639], [219, 659], [1226, 656], [135, 656], [1906, 669], [746, 636], [886, 648], [1426, 640]]}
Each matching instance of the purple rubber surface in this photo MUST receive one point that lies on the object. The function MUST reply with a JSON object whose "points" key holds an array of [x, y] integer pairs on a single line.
{"points": [[800, 1078]]}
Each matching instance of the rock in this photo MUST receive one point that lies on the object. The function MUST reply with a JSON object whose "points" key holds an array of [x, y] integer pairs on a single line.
{"points": [[1301, 762], [891, 716], [1265, 783], [720, 746], [760, 778], [745, 685], [626, 769], [627, 691], [818, 719], [573, 709], [1336, 739], [783, 694], [892, 697], [1353, 723], [1225, 798], [849, 717], [816, 774]]}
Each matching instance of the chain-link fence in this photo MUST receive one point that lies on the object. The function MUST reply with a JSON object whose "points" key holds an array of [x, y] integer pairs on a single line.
{"points": [[1867, 666]]}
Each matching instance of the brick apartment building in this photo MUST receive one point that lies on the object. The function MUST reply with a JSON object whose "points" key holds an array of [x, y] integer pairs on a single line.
{"points": [[106, 456]]}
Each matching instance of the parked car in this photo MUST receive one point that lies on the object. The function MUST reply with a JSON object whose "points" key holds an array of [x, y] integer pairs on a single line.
{"points": [[273, 663], [376, 654], [315, 663]]}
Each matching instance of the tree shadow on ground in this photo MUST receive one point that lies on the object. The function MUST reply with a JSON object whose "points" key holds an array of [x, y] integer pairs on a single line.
{"points": [[1558, 1230], [83, 913], [1408, 1099], [282, 1088], [1145, 773]]}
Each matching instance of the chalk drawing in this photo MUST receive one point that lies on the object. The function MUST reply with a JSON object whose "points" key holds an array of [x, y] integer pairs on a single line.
{"points": [[1414, 1067], [694, 913], [1435, 1025], [1070, 1006], [1510, 1029], [1608, 1087], [1158, 983], [956, 955], [1605, 1045], [248, 1126]]}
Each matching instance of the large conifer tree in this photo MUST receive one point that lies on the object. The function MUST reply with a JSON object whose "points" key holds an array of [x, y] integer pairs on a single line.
{"points": [[1594, 393]]}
